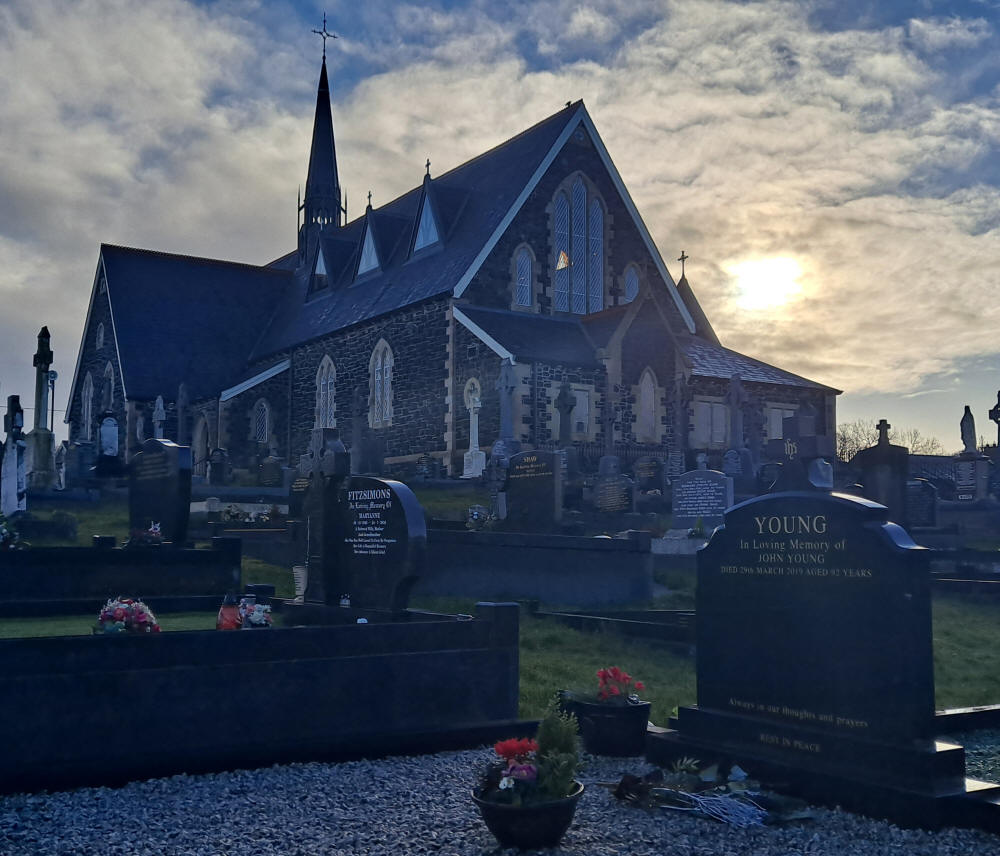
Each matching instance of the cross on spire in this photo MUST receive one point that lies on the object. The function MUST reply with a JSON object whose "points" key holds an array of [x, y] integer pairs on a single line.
{"points": [[683, 258], [369, 199], [325, 34], [428, 166]]}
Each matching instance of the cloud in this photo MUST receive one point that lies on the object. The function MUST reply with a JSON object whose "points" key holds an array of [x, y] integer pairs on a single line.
{"points": [[744, 132]]}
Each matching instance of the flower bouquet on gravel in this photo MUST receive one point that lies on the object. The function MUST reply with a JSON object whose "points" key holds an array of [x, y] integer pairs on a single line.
{"points": [[528, 795], [613, 720], [253, 614], [126, 615]]}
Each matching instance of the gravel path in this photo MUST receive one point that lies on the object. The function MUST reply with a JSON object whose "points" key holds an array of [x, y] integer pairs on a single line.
{"points": [[405, 806]]}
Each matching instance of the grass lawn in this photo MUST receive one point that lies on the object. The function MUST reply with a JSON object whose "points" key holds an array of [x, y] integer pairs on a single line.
{"points": [[82, 625]]}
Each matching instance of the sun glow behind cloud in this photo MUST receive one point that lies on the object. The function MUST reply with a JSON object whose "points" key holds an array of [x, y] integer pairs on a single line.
{"points": [[765, 283]]}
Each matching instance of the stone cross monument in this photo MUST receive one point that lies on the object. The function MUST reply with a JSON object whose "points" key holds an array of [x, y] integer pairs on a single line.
{"points": [[40, 449], [565, 402], [475, 458], [159, 417]]}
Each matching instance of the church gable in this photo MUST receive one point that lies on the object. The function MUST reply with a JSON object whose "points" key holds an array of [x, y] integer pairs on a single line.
{"points": [[587, 250]]}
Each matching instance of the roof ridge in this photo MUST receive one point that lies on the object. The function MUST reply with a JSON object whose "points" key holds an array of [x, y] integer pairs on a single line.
{"points": [[163, 254], [572, 106]]}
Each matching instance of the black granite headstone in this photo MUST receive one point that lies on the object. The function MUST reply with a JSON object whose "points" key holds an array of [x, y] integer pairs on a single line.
{"points": [[614, 494], [921, 503], [701, 495], [884, 470], [814, 647], [160, 489], [648, 474], [378, 542], [534, 495]]}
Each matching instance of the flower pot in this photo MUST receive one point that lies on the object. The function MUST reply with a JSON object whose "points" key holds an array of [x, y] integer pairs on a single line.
{"points": [[530, 826], [610, 729]]}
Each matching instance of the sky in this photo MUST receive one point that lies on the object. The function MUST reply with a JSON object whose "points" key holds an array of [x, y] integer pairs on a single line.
{"points": [[831, 167]]}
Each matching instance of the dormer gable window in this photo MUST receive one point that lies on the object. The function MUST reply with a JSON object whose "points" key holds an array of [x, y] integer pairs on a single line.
{"points": [[427, 231], [320, 265], [369, 257]]}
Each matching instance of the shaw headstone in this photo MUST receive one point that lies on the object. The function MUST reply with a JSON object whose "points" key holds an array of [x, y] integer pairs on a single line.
{"points": [[159, 489]]}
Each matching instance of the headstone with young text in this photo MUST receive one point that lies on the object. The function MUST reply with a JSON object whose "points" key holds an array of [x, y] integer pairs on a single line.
{"points": [[534, 491], [814, 645], [159, 489]]}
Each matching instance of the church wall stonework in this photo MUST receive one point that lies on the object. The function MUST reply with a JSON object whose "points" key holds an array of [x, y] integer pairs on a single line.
{"points": [[243, 450], [418, 337], [646, 344], [94, 360]]}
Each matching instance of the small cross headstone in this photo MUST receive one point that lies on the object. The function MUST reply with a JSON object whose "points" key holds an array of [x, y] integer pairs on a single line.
{"points": [[885, 468], [994, 415]]}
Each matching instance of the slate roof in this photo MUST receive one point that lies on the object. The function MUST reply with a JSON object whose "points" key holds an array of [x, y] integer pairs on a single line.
{"points": [[469, 201], [711, 360], [181, 318], [601, 326], [532, 337]]}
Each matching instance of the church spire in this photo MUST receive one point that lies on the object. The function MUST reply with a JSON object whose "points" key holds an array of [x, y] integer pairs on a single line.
{"points": [[322, 199]]}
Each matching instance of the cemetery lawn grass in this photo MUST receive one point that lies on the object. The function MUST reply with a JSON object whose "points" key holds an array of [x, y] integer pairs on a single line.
{"points": [[257, 571], [107, 517], [82, 625], [966, 651]]}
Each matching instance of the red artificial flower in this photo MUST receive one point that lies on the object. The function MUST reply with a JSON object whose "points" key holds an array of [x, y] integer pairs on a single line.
{"points": [[515, 748]]}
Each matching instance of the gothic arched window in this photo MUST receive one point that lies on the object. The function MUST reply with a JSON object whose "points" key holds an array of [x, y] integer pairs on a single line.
{"points": [[326, 376], [523, 270], [108, 393], [380, 381], [260, 422], [87, 408], [646, 410], [578, 248], [100, 336]]}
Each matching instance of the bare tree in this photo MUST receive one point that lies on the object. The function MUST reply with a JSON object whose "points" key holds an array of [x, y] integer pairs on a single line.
{"points": [[859, 434]]}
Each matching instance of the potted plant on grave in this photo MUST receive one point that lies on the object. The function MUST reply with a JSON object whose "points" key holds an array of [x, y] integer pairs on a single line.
{"points": [[613, 720], [529, 794]]}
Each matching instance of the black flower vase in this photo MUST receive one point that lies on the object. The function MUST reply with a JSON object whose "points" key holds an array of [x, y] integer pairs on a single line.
{"points": [[528, 827]]}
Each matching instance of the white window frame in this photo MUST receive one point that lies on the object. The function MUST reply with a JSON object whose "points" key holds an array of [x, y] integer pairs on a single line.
{"points": [[325, 415], [261, 408], [579, 230], [647, 433], [774, 415], [380, 374], [87, 407], [710, 423]]}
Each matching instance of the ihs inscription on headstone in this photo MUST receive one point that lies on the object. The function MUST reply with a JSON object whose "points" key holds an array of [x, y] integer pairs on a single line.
{"points": [[380, 537], [159, 489], [814, 632], [534, 491]]}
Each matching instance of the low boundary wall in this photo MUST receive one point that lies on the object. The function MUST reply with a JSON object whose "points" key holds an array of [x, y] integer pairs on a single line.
{"points": [[558, 569], [104, 710]]}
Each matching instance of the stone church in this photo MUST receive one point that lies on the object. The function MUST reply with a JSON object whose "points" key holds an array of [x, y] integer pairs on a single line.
{"points": [[394, 327]]}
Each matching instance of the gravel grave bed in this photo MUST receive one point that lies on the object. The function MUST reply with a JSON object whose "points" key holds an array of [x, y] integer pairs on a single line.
{"points": [[411, 805]]}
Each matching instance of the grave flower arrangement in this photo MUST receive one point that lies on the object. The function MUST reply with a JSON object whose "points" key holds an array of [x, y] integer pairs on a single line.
{"points": [[616, 686], [126, 615], [145, 538], [253, 614], [9, 538]]}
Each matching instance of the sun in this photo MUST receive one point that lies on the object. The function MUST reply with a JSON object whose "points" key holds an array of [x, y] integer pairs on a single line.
{"points": [[766, 283]]}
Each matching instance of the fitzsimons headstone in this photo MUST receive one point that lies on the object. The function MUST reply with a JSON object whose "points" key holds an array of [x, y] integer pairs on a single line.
{"points": [[701, 496], [379, 539], [160, 489]]}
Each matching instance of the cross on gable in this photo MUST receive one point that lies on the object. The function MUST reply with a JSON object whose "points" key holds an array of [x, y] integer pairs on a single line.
{"points": [[883, 432], [994, 415]]}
